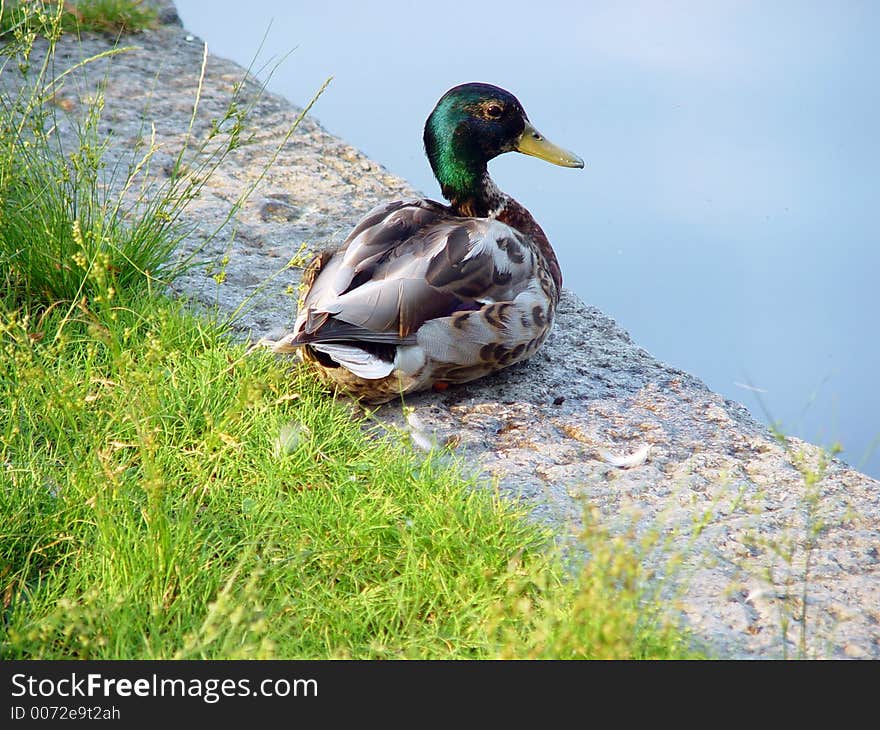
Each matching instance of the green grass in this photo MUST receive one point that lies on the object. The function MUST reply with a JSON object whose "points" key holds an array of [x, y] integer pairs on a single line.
{"points": [[149, 511], [105, 16], [73, 222], [164, 494]]}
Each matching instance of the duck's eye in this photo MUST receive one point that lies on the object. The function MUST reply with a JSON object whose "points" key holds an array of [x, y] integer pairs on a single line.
{"points": [[494, 111]]}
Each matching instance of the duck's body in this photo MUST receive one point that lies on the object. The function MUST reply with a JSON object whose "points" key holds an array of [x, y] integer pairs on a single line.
{"points": [[422, 294]]}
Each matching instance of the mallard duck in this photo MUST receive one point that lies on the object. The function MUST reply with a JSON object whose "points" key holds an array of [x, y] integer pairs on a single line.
{"points": [[422, 295]]}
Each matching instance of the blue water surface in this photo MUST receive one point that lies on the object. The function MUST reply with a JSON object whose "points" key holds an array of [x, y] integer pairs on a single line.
{"points": [[728, 213]]}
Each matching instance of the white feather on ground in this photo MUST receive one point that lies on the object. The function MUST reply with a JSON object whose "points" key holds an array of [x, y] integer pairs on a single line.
{"points": [[637, 458]]}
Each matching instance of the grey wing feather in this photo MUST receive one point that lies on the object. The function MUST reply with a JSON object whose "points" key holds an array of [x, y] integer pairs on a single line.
{"points": [[409, 262]]}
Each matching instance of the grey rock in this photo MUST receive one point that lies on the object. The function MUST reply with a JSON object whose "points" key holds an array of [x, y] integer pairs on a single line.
{"points": [[718, 491], [166, 12]]}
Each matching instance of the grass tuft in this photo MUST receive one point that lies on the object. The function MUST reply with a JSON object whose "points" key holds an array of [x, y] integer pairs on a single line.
{"points": [[46, 17], [74, 222]]}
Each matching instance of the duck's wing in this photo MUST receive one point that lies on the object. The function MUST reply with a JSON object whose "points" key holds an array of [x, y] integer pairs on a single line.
{"points": [[406, 263]]}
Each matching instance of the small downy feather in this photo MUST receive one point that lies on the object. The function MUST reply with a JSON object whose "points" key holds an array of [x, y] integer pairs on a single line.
{"points": [[637, 458]]}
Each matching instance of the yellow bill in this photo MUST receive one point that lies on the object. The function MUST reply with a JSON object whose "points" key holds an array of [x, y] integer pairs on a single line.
{"points": [[533, 143]]}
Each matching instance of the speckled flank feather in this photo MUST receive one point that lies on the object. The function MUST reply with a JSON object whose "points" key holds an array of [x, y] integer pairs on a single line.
{"points": [[423, 294]]}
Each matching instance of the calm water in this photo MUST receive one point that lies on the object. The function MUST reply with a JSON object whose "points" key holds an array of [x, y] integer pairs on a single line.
{"points": [[728, 214]]}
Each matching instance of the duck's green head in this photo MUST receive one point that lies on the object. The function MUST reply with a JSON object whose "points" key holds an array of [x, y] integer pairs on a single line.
{"points": [[474, 123]]}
